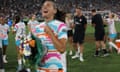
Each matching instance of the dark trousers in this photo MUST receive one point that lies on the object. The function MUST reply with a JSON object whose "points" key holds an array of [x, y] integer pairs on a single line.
{"points": [[1, 59]]}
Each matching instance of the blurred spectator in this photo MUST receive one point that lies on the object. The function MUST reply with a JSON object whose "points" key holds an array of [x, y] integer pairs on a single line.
{"points": [[27, 7]]}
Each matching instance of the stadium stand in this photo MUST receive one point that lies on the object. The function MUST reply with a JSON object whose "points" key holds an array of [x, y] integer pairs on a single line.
{"points": [[26, 7]]}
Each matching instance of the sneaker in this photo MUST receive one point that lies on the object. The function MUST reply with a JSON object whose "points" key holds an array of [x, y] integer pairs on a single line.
{"points": [[2, 70], [19, 68], [70, 53], [28, 70], [4, 59], [81, 59], [96, 54], [75, 56], [105, 55]]}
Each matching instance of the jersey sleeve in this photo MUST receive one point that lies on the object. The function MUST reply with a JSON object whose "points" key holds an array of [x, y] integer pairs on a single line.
{"points": [[36, 31], [62, 31], [37, 22], [15, 28], [29, 22]]}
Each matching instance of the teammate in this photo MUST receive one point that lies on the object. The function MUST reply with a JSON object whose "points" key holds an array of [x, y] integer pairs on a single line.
{"points": [[19, 29], [5, 30], [1, 51], [97, 23], [69, 22], [112, 31], [53, 34], [32, 23], [78, 38]]}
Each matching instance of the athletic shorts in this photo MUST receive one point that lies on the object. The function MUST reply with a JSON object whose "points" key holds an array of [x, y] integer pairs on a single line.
{"points": [[78, 37], [5, 42], [17, 42], [112, 36], [69, 33], [99, 36]]}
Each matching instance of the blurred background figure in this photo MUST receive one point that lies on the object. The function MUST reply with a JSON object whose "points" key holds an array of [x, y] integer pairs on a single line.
{"points": [[80, 24], [69, 21]]}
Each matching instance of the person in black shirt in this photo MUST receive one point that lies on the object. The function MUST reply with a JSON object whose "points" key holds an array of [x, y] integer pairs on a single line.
{"points": [[97, 23], [78, 38]]}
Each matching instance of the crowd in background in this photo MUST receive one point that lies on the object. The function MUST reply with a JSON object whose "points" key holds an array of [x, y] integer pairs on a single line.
{"points": [[27, 7]]}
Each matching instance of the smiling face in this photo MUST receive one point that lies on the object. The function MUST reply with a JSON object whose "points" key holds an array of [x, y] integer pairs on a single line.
{"points": [[48, 9]]}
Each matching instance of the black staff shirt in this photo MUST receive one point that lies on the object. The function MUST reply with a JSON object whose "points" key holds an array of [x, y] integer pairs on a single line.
{"points": [[80, 23], [97, 20]]}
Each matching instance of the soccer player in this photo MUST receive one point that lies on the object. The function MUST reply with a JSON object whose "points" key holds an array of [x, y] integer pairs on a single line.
{"points": [[5, 30], [97, 23], [78, 38], [53, 34], [32, 23], [19, 30], [112, 31], [69, 22], [1, 51]]}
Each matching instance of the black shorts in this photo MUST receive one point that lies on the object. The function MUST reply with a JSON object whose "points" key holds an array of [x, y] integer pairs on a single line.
{"points": [[99, 36], [78, 37], [69, 33]]}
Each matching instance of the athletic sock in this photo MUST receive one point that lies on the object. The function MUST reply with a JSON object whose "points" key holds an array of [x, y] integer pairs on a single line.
{"points": [[113, 45], [78, 49], [105, 51], [97, 52], [4, 57], [19, 62], [81, 54]]}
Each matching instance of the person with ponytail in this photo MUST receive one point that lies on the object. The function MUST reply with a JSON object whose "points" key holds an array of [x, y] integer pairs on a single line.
{"points": [[19, 30], [53, 35], [112, 32]]}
